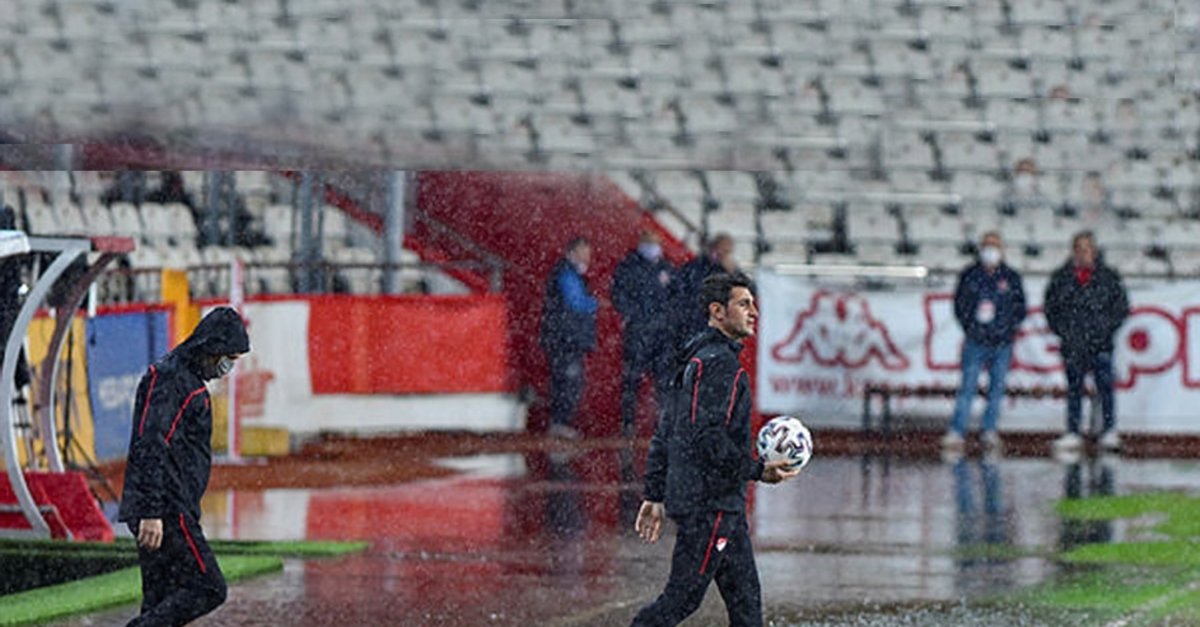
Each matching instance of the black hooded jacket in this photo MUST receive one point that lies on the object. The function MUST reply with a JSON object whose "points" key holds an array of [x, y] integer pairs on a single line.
{"points": [[700, 458], [170, 450]]}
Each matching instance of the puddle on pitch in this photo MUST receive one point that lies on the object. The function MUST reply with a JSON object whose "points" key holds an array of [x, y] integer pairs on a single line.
{"points": [[540, 538]]}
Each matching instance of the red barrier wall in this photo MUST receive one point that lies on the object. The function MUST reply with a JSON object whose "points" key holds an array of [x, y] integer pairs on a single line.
{"points": [[407, 344]]}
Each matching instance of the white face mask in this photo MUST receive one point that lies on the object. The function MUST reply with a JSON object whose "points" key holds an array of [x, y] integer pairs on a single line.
{"points": [[221, 368], [1025, 183], [990, 256], [653, 252]]}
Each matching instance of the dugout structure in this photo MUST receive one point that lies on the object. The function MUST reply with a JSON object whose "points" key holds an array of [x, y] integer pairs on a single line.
{"points": [[50, 502]]}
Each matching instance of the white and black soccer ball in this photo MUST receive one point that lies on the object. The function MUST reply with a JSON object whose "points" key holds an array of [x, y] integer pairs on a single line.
{"points": [[786, 438]]}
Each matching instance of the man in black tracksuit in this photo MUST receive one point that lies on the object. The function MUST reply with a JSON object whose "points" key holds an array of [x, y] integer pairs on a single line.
{"points": [[699, 462], [167, 471], [639, 293]]}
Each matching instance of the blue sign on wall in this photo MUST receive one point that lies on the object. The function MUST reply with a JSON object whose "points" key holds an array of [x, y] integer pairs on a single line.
{"points": [[120, 348]]}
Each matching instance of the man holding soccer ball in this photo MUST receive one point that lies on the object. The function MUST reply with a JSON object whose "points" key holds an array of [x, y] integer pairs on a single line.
{"points": [[699, 463]]}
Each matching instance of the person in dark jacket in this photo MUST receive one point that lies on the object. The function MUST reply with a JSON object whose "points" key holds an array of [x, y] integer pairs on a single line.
{"points": [[688, 319], [1085, 304], [639, 293], [698, 465], [11, 283], [167, 472], [989, 304], [568, 333]]}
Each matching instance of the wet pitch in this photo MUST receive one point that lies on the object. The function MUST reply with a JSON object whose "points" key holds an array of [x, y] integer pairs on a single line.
{"points": [[544, 538]]}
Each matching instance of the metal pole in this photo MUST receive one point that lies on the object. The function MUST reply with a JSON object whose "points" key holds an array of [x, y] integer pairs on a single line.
{"points": [[304, 204], [393, 230], [232, 415], [211, 208]]}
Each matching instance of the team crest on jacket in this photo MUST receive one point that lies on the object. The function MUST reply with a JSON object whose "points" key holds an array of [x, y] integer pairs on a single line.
{"points": [[721, 544]]}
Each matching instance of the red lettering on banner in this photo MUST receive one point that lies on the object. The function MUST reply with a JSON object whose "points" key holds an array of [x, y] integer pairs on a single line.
{"points": [[1152, 341], [839, 330], [1191, 346]]}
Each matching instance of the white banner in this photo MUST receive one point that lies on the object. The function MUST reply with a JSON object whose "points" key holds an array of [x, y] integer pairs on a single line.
{"points": [[818, 346]]}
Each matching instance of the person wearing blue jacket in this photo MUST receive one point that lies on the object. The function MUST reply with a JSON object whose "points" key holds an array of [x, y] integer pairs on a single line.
{"points": [[700, 462], [989, 304], [568, 333], [167, 471]]}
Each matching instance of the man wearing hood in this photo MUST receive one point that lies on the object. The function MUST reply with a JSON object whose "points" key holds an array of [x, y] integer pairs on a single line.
{"points": [[699, 463], [1085, 305], [167, 470], [989, 304]]}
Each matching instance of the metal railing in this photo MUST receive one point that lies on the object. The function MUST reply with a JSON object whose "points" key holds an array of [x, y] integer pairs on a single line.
{"points": [[126, 285]]}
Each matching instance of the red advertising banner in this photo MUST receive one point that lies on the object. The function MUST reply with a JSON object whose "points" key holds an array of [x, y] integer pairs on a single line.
{"points": [[407, 344]]}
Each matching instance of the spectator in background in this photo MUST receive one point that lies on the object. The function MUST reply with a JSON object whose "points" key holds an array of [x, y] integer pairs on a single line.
{"points": [[989, 304], [1096, 203], [688, 319], [1085, 304], [1024, 191], [128, 186], [639, 293], [568, 333], [10, 301], [171, 190]]}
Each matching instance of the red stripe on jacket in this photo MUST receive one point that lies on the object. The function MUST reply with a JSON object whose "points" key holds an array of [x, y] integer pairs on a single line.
{"points": [[179, 414], [733, 394], [696, 386], [146, 405]]}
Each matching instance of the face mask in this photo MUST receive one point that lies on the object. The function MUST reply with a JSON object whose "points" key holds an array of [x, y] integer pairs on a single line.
{"points": [[219, 369], [653, 252], [1024, 183], [990, 256]]}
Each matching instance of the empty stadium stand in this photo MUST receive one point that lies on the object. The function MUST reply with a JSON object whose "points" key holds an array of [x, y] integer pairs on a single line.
{"points": [[858, 131]]}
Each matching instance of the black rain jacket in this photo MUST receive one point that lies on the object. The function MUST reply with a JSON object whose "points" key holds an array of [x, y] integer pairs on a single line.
{"points": [[170, 446], [1085, 317], [700, 456]]}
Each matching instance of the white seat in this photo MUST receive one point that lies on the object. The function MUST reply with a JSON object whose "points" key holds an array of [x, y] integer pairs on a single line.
{"points": [[933, 227], [871, 225], [99, 219], [126, 219]]}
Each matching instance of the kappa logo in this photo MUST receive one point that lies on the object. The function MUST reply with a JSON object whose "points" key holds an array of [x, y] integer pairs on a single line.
{"points": [[838, 329], [721, 544]]}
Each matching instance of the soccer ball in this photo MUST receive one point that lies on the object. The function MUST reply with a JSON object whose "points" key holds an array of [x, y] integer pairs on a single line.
{"points": [[785, 437]]}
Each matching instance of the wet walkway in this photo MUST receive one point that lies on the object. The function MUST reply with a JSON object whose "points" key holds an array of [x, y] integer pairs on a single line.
{"points": [[539, 538]]}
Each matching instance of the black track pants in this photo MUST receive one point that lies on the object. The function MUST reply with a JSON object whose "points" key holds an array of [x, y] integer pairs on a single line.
{"points": [[708, 546], [181, 580]]}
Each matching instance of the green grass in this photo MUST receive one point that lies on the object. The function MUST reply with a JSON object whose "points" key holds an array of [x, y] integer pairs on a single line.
{"points": [[238, 559], [1180, 513], [1149, 582], [116, 588], [125, 546], [297, 548], [1169, 553]]}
